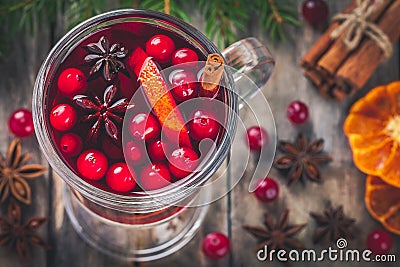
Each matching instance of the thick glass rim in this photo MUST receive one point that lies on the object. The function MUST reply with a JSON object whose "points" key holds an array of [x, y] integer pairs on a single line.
{"points": [[102, 197]]}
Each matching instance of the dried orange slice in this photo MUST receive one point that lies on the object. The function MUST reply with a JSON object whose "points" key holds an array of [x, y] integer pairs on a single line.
{"points": [[383, 203], [373, 130]]}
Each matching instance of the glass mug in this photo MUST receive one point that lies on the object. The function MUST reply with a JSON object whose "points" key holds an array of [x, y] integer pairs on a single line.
{"points": [[146, 227]]}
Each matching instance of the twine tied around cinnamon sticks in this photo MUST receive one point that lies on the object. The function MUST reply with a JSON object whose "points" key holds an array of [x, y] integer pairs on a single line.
{"points": [[356, 24]]}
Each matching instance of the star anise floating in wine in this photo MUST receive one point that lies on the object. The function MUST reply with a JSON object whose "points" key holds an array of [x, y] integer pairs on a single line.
{"points": [[332, 224], [14, 172], [107, 112], [278, 236], [20, 236], [302, 159], [106, 57]]}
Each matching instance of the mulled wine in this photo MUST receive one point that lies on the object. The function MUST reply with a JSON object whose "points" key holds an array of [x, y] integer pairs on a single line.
{"points": [[117, 114]]}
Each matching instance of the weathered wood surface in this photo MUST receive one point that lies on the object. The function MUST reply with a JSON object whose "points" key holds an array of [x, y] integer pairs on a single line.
{"points": [[343, 183]]}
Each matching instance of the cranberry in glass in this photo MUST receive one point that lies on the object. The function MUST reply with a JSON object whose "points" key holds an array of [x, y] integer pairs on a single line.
{"points": [[160, 47], [71, 144], [379, 242], [63, 117], [144, 127], [154, 176], [267, 190], [20, 123], [257, 138], [120, 178], [315, 12], [184, 55], [134, 152], [157, 150], [297, 112], [184, 85], [182, 162], [71, 82], [92, 164], [203, 125], [216, 245]]}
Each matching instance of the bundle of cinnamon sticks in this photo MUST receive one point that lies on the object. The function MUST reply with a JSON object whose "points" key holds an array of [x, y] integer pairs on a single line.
{"points": [[337, 71]]}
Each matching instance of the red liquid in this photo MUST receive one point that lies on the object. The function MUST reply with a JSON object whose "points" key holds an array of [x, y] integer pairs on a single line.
{"points": [[130, 36]]}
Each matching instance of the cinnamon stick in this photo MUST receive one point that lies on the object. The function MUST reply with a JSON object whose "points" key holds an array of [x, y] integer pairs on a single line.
{"points": [[338, 52], [362, 63], [323, 43]]}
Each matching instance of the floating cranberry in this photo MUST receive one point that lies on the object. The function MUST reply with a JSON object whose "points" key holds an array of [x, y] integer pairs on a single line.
{"points": [[182, 162], [71, 144], [203, 125], [20, 123], [160, 47], [144, 127], [120, 178], [154, 176], [157, 150], [216, 245], [111, 149], [267, 190], [184, 86], [134, 152], [63, 117], [92, 164], [315, 12], [297, 112], [71, 82], [184, 55], [257, 138], [379, 242]]}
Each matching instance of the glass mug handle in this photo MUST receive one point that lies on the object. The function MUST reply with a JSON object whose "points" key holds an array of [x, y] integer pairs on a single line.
{"points": [[251, 58]]}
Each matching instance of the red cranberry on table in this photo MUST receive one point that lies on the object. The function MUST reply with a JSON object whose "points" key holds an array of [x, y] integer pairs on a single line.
{"points": [[184, 86], [154, 176], [379, 242], [134, 152], [216, 245], [157, 150], [182, 162], [315, 12], [184, 55], [92, 164], [297, 112], [160, 47], [20, 123], [257, 138], [120, 178], [203, 125], [267, 190], [144, 127], [63, 117], [71, 82], [71, 144]]}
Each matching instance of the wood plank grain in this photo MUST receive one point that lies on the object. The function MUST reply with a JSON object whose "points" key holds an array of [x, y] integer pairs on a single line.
{"points": [[343, 184], [17, 76]]}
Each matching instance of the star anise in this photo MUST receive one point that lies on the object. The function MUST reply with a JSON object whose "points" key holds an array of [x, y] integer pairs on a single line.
{"points": [[105, 112], [106, 57], [332, 224], [302, 159], [20, 236], [277, 236], [14, 172]]}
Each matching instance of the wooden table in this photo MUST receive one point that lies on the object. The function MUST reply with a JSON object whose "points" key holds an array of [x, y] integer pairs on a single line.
{"points": [[343, 183]]}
